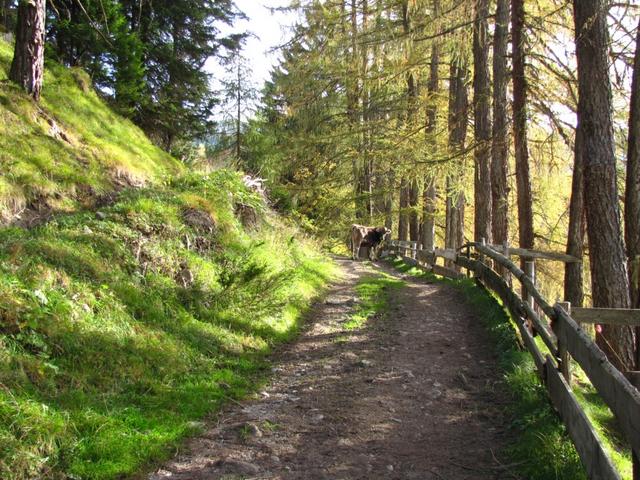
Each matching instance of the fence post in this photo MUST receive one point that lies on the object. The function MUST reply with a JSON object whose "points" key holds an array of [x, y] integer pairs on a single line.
{"points": [[483, 242], [506, 274], [564, 357], [530, 270], [469, 257], [414, 250]]}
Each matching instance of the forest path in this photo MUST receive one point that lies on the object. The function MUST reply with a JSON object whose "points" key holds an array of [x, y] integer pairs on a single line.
{"points": [[413, 394]]}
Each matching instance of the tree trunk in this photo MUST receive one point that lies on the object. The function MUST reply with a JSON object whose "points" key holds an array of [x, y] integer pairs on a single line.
{"points": [[632, 195], [27, 67], [610, 284], [482, 123], [414, 218], [389, 191], [403, 220], [573, 272], [413, 193], [500, 146], [429, 213], [458, 117], [525, 212], [239, 110], [430, 192], [367, 161]]}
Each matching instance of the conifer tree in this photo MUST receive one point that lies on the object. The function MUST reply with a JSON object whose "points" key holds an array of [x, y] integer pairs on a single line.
{"points": [[27, 67]]}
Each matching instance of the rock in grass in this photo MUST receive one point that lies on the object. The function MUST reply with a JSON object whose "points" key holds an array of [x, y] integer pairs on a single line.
{"points": [[101, 215]]}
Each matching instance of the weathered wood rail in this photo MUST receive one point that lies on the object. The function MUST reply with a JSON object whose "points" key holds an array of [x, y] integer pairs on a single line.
{"points": [[562, 335]]}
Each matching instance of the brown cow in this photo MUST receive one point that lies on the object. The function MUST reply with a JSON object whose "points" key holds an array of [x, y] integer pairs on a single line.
{"points": [[372, 237]]}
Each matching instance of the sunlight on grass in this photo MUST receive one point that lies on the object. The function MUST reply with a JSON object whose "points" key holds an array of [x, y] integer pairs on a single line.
{"points": [[117, 333], [101, 149], [374, 293]]}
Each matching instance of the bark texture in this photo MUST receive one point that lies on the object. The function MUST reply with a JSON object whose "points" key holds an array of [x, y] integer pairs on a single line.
{"points": [[403, 220], [523, 181], [610, 285], [500, 145], [414, 217], [458, 117], [482, 122], [430, 193], [573, 272], [27, 67], [632, 195]]}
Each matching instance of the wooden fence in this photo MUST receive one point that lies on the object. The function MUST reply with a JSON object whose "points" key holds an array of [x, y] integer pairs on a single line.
{"points": [[559, 328]]}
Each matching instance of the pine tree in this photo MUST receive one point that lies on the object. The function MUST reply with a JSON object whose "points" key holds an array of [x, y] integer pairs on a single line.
{"points": [[27, 67], [609, 279]]}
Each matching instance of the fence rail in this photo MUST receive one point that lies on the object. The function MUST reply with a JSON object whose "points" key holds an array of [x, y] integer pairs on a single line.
{"points": [[565, 339]]}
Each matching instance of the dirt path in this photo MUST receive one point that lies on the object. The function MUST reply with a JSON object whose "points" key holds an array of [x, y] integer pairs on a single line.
{"points": [[414, 395]]}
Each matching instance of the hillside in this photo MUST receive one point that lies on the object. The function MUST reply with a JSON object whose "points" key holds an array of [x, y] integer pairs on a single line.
{"points": [[124, 322], [70, 149]]}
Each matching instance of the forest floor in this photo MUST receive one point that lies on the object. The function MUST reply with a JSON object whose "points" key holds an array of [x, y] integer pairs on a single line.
{"points": [[413, 393]]}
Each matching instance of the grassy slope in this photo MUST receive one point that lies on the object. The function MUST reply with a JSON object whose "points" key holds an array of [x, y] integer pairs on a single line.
{"points": [[119, 333], [101, 148], [108, 356]]}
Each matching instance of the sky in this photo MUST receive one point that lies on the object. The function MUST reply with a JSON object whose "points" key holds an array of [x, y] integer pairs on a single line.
{"points": [[267, 32], [270, 29]]}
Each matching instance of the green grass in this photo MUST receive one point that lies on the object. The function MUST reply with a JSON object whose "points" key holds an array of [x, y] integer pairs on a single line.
{"points": [[102, 150], [542, 450], [118, 335], [604, 423], [374, 292]]}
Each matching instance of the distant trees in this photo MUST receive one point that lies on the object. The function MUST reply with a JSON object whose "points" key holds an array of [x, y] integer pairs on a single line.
{"points": [[238, 95], [6, 14], [147, 57], [376, 100], [27, 67]]}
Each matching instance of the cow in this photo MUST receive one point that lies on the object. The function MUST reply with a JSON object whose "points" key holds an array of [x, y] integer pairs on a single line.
{"points": [[372, 237]]}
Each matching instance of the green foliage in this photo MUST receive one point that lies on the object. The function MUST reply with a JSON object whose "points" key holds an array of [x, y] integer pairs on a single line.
{"points": [[95, 151], [117, 334], [148, 57], [374, 293]]}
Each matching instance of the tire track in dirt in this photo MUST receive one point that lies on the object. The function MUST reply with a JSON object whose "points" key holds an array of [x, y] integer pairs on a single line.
{"points": [[414, 394]]}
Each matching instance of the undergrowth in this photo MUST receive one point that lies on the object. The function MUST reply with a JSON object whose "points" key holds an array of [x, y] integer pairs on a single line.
{"points": [[542, 450], [374, 292], [120, 330]]}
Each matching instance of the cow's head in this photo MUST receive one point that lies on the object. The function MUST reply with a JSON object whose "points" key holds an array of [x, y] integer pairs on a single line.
{"points": [[384, 232]]}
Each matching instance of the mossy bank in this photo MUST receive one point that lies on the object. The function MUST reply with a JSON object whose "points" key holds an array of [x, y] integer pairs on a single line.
{"points": [[120, 329]]}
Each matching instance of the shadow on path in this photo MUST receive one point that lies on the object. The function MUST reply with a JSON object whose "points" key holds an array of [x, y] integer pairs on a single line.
{"points": [[414, 394]]}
